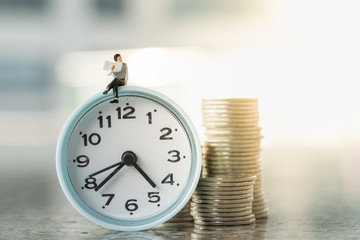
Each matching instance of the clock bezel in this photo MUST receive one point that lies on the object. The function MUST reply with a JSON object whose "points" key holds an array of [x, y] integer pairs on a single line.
{"points": [[97, 217]]}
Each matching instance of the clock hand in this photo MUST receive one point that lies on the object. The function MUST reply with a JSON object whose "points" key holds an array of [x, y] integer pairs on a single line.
{"points": [[144, 175], [105, 169], [121, 164], [130, 159]]}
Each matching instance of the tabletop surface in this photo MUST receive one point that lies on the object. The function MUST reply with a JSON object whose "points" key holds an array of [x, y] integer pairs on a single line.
{"points": [[311, 194]]}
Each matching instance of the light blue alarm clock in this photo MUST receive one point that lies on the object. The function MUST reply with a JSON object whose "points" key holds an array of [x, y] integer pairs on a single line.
{"points": [[130, 165]]}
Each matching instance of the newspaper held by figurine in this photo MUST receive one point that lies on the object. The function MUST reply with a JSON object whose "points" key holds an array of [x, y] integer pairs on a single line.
{"points": [[107, 65]]}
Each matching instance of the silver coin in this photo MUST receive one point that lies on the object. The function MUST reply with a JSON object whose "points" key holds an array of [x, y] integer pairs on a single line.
{"points": [[227, 117], [228, 125], [221, 206], [261, 215], [230, 107], [216, 160], [170, 224], [220, 215], [245, 143], [232, 166], [243, 121], [235, 140], [208, 142], [220, 201], [246, 208], [230, 100], [197, 211], [225, 186], [227, 189], [229, 179], [234, 131], [231, 170], [219, 229], [220, 192], [232, 151], [208, 152], [221, 197], [223, 209], [255, 158], [211, 218], [221, 223]]}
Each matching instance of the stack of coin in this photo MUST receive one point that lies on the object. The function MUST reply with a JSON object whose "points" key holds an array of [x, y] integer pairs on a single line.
{"points": [[182, 218], [223, 232], [232, 144], [223, 201]]}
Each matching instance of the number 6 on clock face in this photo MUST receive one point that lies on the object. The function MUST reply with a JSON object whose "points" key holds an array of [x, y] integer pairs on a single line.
{"points": [[130, 165]]}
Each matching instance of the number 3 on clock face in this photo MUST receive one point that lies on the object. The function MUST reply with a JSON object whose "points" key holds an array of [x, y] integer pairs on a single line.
{"points": [[130, 165]]}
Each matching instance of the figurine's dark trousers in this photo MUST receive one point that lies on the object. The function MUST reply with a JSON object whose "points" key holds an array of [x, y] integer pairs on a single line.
{"points": [[115, 86]]}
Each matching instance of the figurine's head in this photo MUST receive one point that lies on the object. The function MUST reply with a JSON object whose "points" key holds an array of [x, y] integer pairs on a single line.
{"points": [[117, 58]]}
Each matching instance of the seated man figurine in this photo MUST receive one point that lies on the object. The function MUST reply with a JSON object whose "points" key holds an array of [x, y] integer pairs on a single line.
{"points": [[119, 71]]}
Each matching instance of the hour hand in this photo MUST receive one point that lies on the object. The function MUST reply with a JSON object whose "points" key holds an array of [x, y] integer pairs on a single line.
{"points": [[130, 159], [144, 175]]}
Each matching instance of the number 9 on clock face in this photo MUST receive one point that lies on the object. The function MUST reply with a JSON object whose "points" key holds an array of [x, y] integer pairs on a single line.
{"points": [[130, 165]]}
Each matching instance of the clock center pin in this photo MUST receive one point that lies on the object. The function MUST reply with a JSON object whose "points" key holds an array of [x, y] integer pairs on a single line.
{"points": [[129, 158]]}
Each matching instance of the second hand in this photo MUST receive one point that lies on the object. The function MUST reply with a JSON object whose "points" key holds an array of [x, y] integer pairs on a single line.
{"points": [[110, 176], [105, 169]]}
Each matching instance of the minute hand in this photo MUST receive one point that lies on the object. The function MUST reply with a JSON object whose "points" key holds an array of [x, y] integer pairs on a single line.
{"points": [[105, 169], [110, 176], [144, 175]]}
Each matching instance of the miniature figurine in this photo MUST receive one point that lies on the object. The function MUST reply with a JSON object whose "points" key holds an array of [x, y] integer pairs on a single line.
{"points": [[119, 71]]}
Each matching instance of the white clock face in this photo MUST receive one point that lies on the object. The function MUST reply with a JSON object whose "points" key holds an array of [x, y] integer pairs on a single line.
{"points": [[129, 160]]}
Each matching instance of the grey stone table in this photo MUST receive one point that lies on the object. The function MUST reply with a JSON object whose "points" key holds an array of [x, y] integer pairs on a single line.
{"points": [[311, 194]]}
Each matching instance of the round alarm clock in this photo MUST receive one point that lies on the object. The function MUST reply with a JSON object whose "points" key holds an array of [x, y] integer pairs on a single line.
{"points": [[130, 165]]}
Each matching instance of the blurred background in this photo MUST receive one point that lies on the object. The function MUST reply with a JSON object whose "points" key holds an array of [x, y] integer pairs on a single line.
{"points": [[301, 59]]}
